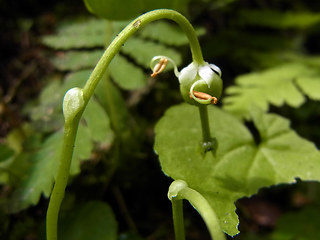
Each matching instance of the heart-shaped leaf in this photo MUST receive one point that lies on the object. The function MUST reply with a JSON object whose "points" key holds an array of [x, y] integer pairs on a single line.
{"points": [[240, 166]]}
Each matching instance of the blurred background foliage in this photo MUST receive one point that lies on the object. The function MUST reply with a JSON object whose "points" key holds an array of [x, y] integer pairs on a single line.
{"points": [[269, 53]]}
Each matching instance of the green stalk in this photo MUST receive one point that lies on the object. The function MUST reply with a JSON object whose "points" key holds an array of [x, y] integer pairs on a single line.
{"points": [[127, 32], [84, 95], [70, 132], [177, 213], [203, 111], [178, 191]]}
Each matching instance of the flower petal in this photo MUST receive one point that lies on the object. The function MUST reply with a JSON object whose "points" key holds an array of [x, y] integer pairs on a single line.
{"points": [[188, 73], [156, 59], [216, 69], [206, 73]]}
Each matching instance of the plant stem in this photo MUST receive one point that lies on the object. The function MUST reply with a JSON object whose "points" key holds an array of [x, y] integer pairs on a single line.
{"points": [[178, 191], [177, 213], [71, 125], [206, 212], [132, 27], [206, 136], [70, 132]]}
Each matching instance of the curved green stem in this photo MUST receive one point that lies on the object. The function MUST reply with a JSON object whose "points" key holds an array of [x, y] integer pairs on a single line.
{"points": [[178, 191], [72, 120], [132, 27]]}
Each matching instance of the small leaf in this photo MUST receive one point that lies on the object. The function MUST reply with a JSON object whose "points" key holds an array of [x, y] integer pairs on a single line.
{"points": [[112, 100], [87, 34], [82, 149], [129, 9], [113, 9], [240, 166], [5, 153], [278, 86], [167, 33], [93, 220], [43, 163], [40, 176], [97, 121], [310, 85], [143, 51], [75, 79], [76, 60], [127, 75]]}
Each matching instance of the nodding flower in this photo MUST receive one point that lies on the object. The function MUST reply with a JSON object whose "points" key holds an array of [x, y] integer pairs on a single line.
{"points": [[199, 83]]}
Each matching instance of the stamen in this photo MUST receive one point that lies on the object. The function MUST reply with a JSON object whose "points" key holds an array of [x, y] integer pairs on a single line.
{"points": [[203, 96], [159, 67]]}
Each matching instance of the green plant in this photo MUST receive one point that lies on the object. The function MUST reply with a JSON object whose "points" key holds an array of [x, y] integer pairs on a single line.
{"points": [[243, 151], [202, 166], [76, 100]]}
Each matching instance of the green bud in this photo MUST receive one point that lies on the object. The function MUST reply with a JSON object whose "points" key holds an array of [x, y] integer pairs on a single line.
{"points": [[175, 188], [73, 103]]}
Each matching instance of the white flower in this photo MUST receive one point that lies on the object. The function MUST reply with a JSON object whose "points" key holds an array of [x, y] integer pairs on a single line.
{"points": [[199, 83], [194, 72]]}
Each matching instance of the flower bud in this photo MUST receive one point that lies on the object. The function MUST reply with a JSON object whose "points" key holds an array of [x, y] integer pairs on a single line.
{"points": [[195, 79], [73, 102], [199, 83]]}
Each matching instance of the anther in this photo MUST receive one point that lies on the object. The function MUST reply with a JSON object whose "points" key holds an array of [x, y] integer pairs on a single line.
{"points": [[204, 96], [159, 67]]}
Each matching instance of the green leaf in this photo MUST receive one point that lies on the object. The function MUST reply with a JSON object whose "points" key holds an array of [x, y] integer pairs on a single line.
{"points": [[143, 51], [93, 220], [40, 176], [75, 79], [240, 166], [75, 60], [112, 100], [310, 85], [129, 9], [127, 75], [178, 5], [278, 86], [113, 9], [47, 115], [278, 20], [43, 163], [97, 122], [82, 149], [5, 153], [167, 33], [299, 225], [87, 34]]}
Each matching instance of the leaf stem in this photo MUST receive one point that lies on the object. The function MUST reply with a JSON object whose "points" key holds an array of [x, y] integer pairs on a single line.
{"points": [[71, 125], [178, 191]]}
